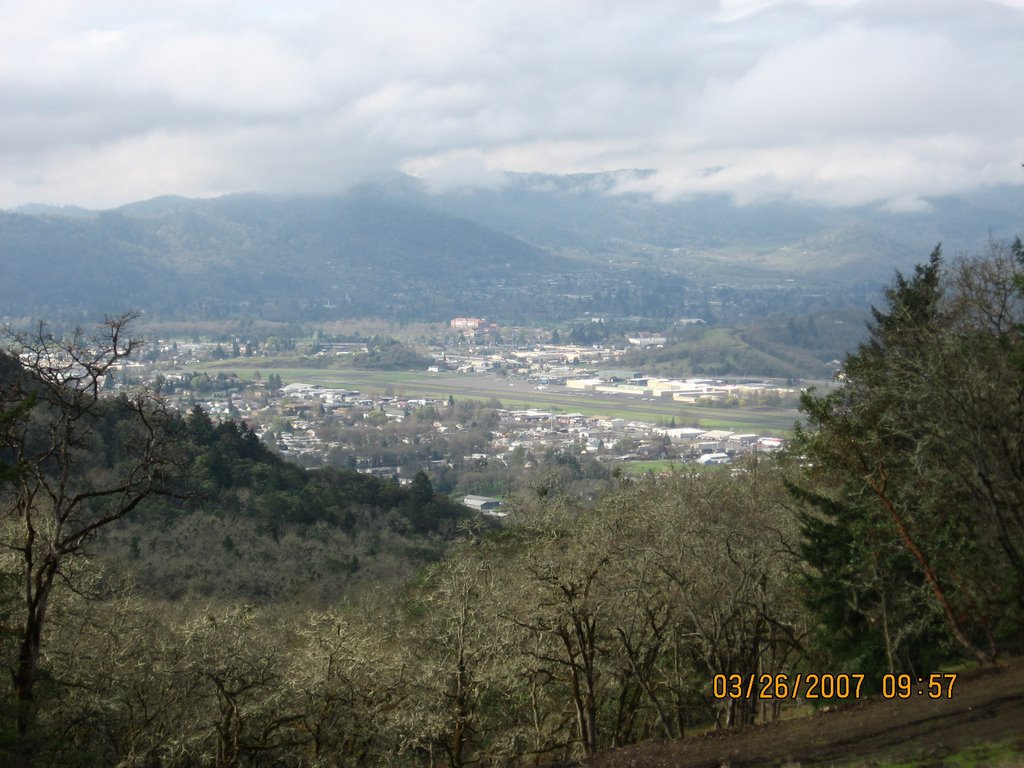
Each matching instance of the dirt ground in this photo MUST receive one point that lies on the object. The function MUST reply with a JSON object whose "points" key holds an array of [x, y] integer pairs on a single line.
{"points": [[985, 707]]}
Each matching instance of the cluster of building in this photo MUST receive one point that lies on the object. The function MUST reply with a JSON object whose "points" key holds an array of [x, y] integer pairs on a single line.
{"points": [[301, 420], [616, 439], [292, 419]]}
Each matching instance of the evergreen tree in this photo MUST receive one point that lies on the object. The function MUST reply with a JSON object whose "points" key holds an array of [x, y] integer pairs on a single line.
{"points": [[915, 485]]}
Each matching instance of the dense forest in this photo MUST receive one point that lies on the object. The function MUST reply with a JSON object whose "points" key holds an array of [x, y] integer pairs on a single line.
{"points": [[347, 621]]}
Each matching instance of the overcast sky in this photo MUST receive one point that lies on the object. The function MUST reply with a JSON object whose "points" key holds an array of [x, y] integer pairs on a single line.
{"points": [[104, 102]]}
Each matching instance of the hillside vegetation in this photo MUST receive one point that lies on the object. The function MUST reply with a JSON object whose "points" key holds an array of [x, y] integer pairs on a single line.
{"points": [[771, 348], [888, 542], [259, 529]]}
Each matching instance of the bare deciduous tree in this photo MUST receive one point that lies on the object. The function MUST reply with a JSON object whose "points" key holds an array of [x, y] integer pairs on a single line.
{"points": [[83, 462]]}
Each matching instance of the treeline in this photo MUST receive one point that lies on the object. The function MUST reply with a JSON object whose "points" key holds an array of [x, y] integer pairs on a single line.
{"points": [[259, 529], [915, 477], [889, 540], [238, 474], [790, 346], [390, 355], [573, 630]]}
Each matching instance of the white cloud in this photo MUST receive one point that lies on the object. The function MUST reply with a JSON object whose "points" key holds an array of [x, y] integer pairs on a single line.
{"points": [[844, 101]]}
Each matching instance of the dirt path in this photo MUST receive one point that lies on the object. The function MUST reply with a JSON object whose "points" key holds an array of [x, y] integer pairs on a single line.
{"points": [[984, 708]]}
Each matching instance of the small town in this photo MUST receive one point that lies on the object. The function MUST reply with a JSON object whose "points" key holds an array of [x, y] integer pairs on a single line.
{"points": [[390, 434]]}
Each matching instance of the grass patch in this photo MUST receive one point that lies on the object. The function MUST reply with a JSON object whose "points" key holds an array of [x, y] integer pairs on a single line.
{"points": [[997, 754], [658, 466], [327, 377]]}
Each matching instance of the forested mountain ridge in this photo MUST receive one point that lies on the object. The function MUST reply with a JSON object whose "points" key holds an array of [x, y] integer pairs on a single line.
{"points": [[534, 248], [347, 256]]}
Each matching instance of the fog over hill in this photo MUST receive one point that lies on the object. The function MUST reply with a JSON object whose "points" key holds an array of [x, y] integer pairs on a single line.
{"points": [[596, 214], [532, 247]]}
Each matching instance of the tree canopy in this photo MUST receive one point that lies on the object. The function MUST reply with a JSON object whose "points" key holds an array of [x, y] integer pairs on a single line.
{"points": [[915, 468]]}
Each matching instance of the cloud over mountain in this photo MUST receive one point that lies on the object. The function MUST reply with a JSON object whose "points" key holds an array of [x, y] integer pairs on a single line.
{"points": [[836, 101]]}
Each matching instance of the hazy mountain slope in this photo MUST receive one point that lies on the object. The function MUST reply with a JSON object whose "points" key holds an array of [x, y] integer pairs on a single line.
{"points": [[537, 248], [361, 254], [52, 264], [584, 215]]}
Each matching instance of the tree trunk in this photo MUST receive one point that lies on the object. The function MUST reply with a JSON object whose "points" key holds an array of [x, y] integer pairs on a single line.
{"points": [[933, 581], [27, 669]]}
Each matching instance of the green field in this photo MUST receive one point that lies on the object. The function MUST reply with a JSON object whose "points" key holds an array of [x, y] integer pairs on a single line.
{"points": [[519, 394], [659, 466]]}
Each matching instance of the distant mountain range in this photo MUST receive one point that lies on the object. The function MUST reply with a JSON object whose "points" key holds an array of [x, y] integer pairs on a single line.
{"points": [[710, 235], [363, 254], [533, 248]]}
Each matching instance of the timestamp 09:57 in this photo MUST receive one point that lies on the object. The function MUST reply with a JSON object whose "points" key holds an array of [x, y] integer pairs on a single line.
{"points": [[829, 686]]}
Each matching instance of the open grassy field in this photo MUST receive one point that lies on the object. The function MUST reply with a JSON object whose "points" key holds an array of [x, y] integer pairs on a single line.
{"points": [[658, 466], [516, 393]]}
